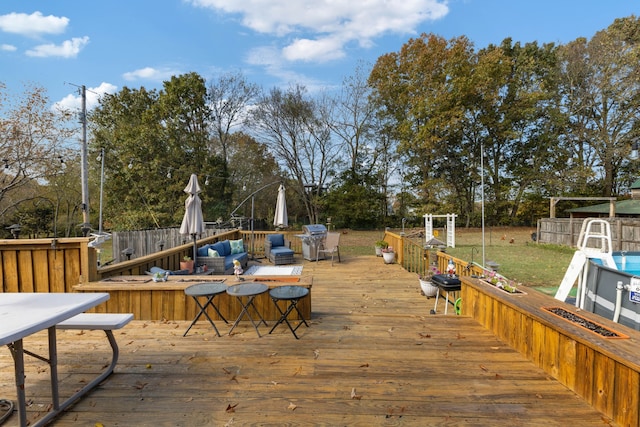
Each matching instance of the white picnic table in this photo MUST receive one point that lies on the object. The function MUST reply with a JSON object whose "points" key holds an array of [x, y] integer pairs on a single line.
{"points": [[24, 314]]}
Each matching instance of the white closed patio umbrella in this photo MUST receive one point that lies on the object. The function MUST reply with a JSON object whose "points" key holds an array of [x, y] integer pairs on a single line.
{"points": [[280, 219], [193, 222]]}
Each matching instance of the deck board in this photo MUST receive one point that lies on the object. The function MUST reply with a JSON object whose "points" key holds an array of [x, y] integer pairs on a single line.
{"points": [[371, 336]]}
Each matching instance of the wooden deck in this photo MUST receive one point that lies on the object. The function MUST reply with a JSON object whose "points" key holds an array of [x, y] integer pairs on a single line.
{"points": [[373, 355]]}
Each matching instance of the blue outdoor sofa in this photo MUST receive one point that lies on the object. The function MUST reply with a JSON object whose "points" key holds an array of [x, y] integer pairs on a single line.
{"points": [[219, 256]]}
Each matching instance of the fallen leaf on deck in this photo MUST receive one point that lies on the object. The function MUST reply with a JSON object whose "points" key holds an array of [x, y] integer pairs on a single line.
{"points": [[99, 425], [390, 330], [292, 406], [316, 353], [484, 368], [228, 423], [425, 335], [140, 385], [366, 365], [190, 399], [148, 366], [231, 408], [354, 395], [495, 348], [460, 337], [298, 371]]}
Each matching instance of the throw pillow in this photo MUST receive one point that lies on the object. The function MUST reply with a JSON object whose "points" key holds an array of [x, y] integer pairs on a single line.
{"points": [[237, 246], [213, 253]]}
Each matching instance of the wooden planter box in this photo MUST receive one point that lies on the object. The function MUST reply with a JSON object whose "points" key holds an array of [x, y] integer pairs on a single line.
{"points": [[148, 300], [604, 372]]}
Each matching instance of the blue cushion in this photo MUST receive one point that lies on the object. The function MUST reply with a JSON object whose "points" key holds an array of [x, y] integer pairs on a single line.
{"points": [[218, 247], [276, 239], [203, 250], [227, 248], [282, 251]]}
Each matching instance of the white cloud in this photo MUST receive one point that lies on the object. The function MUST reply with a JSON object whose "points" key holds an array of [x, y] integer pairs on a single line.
{"points": [[149, 73], [68, 48], [8, 48], [73, 102], [32, 25], [321, 50], [326, 26]]}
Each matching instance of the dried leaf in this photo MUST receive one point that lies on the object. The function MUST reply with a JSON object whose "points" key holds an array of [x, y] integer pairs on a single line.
{"points": [[354, 395], [365, 365], [231, 408], [484, 368], [98, 425], [298, 371], [140, 385], [425, 335], [148, 366], [495, 348], [292, 406], [316, 353], [461, 337]]}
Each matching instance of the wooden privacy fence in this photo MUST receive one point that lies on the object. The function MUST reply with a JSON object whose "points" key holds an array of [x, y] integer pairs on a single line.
{"points": [[45, 265], [625, 232]]}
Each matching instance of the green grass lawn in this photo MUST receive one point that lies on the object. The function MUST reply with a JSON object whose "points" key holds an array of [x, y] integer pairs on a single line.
{"points": [[520, 258]]}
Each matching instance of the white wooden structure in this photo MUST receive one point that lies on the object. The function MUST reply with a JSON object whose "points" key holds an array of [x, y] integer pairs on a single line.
{"points": [[451, 228]]}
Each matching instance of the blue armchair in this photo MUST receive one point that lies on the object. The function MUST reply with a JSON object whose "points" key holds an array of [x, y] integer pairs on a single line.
{"points": [[278, 250]]}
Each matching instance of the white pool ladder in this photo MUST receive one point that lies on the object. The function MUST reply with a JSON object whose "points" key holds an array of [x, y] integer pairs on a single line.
{"points": [[594, 242]]}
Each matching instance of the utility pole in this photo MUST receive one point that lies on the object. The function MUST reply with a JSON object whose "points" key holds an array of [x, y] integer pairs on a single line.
{"points": [[84, 170]]}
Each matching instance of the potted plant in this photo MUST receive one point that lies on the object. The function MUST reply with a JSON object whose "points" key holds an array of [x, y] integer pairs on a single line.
{"points": [[428, 288], [187, 264], [380, 245], [388, 255]]}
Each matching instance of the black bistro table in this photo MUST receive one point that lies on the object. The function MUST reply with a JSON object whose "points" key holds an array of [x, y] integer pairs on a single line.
{"points": [[246, 293], [209, 290], [292, 294]]}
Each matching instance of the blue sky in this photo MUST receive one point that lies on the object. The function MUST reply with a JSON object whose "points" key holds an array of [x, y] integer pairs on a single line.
{"points": [[106, 45]]}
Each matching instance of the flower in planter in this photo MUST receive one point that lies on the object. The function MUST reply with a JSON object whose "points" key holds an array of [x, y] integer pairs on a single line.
{"points": [[388, 250], [432, 271], [501, 282]]}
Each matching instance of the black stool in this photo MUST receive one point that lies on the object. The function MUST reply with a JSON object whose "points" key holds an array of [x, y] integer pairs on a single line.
{"points": [[209, 290], [248, 291], [293, 294]]}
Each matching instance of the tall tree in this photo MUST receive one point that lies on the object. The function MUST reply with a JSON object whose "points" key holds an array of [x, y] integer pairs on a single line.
{"points": [[153, 141], [601, 94], [33, 138], [229, 98], [289, 123]]}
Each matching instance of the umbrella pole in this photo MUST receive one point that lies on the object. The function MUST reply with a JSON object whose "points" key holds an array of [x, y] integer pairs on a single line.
{"points": [[253, 255], [195, 251]]}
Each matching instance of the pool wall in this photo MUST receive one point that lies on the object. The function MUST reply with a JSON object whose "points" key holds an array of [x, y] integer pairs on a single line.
{"points": [[601, 284]]}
